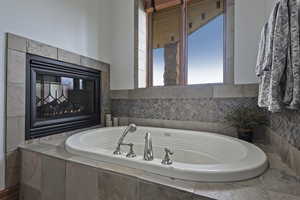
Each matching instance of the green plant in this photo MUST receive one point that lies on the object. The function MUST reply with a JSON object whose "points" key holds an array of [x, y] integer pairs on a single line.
{"points": [[244, 117]]}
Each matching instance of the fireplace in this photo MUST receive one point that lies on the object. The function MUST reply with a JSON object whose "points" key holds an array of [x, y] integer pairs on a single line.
{"points": [[60, 97]]}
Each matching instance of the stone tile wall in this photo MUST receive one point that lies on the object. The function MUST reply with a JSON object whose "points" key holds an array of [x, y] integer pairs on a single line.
{"points": [[284, 135], [196, 108], [75, 177], [287, 152], [17, 48], [47, 178], [287, 126], [203, 110]]}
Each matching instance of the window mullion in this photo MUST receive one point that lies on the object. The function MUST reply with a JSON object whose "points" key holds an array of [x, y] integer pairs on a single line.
{"points": [[183, 44], [149, 50]]}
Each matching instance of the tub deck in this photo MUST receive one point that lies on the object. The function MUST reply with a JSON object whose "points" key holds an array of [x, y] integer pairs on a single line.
{"points": [[277, 183], [198, 155]]}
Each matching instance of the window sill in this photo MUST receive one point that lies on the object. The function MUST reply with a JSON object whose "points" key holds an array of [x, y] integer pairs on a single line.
{"points": [[189, 91]]}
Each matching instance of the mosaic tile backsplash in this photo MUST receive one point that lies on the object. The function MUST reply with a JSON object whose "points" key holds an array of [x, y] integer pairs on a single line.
{"points": [[204, 110]]}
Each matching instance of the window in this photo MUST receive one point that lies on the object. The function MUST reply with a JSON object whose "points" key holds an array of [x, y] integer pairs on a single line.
{"points": [[165, 44], [185, 42], [158, 66]]}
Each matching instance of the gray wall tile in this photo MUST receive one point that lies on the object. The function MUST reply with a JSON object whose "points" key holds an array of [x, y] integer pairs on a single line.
{"points": [[286, 125], [81, 182], [29, 193], [60, 179], [16, 64], [16, 42], [279, 181], [150, 191], [105, 94], [117, 187], [119, 94], [282, 196], [228, 91], [123, 121], [250, 90], [69, 57], [31, 165], [295, 159], [41, 49], [53, 178], [15, 132], [12, 168], [176, 92], [288, 153], [92, 63], [15, 100]]}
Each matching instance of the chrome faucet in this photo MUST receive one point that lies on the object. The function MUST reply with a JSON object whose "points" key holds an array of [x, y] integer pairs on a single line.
{"points": [[148, 150], [131, 128]]}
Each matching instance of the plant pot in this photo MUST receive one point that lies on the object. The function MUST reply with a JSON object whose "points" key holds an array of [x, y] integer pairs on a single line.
{"points": [[245, 134]]}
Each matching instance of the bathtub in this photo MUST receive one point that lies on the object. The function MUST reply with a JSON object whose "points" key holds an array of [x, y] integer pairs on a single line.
{"points": [[198, 156]]}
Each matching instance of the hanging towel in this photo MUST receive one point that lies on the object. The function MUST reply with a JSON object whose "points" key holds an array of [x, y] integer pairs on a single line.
{"points": [[264, 59], [278, 59], [295, 53], [262, 51]]}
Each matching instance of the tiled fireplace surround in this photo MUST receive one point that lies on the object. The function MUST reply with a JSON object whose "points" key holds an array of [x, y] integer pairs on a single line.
{"points": [[196, 108], [17, 47]]}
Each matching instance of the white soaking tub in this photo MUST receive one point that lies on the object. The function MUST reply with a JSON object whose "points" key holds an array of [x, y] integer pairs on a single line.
{"points": [[198, 156]]}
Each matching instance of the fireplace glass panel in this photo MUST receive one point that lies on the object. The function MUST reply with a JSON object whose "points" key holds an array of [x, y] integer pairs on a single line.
{"points": [[60, 96]]}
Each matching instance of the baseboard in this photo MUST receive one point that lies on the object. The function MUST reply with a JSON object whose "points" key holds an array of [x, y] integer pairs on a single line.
{"points": [[11, 193]]}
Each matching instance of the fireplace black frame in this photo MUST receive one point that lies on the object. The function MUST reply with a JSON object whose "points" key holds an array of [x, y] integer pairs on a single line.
{"points": [[35, 129]]}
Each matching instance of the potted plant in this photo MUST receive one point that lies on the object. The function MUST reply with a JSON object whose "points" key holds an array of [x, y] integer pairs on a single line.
{"points": [[245, 119]]}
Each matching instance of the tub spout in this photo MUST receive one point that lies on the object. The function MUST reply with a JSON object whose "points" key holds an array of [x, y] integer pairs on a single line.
{"points": [[148, 150]]}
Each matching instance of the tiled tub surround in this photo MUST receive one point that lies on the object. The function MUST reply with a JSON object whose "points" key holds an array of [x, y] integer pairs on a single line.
{"points": [[287, 125], [197, 108], [49, 172], [197, 156], [203, 108], [17, 47], [287, 152], [283, 134]]}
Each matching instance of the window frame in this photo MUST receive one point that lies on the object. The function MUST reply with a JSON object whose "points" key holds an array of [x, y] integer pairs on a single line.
{"points": [[183, 49]]}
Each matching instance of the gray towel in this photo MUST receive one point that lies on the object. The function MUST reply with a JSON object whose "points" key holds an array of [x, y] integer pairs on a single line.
{"points": [[264, 59], [278, 64], [295, 53]]}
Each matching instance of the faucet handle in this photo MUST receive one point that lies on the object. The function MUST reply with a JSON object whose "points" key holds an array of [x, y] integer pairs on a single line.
{"points": [[131, 153], [168, 151], [167, 160]]}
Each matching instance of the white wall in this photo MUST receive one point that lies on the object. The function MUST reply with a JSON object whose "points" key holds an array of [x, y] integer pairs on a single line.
{"points": [[75, 25], [250, 16], [122, 48]]}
